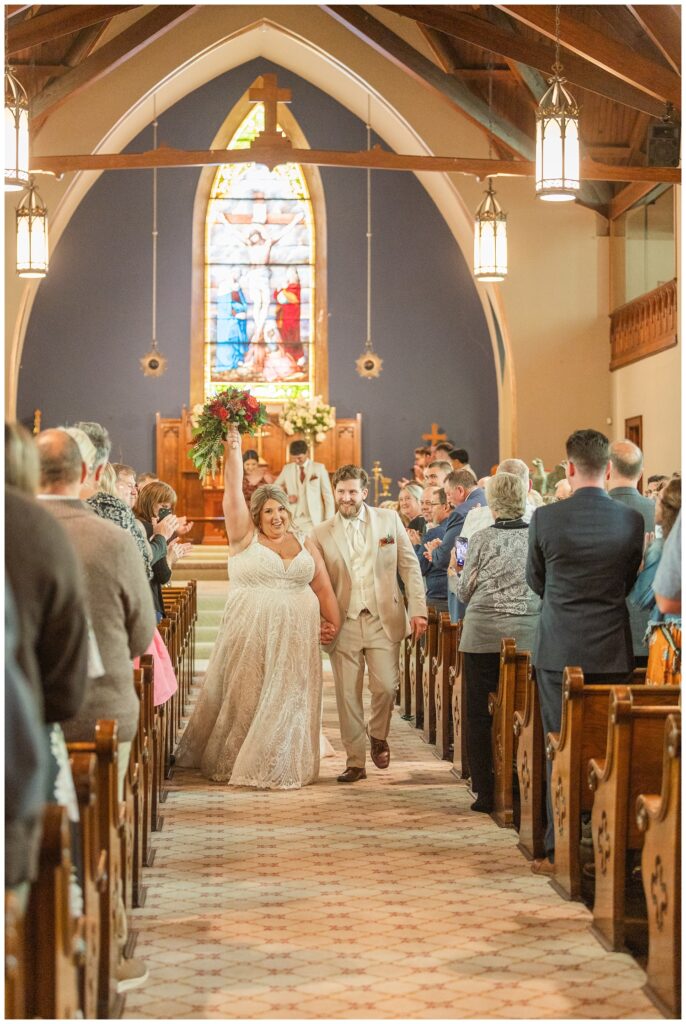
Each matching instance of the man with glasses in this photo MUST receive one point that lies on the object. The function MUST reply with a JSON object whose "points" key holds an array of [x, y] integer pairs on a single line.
{"points": [[435, 579]]}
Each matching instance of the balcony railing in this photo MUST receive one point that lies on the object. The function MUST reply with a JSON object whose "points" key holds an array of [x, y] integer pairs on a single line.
{"points": [[644, 326]]}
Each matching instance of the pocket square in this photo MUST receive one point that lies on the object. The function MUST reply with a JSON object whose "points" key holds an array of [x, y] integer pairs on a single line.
{"points": [[385, 541], [313, 477]]}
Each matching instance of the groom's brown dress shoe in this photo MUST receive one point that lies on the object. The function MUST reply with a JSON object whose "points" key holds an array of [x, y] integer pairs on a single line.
{"points": [[352, 775], [380, 751]]}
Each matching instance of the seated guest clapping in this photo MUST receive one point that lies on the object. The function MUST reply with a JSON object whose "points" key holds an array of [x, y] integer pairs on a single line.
{"points": [[499, 604], [667, 508]]}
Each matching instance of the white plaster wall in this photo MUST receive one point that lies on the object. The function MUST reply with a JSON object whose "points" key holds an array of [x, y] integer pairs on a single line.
{"points": [[651, 388]]}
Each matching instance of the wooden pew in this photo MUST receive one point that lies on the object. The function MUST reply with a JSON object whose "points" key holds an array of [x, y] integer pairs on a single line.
{"points": [[632, 765], [404, 690], [515, 673], [15, 958], [458, 702], [582, 735], [416, 696], [445, 660], [659, 818], [159, 725], [135, 781], [531, 773], [52, 989], [428, 662], [104, 746], [147, 754], [84, 768]]}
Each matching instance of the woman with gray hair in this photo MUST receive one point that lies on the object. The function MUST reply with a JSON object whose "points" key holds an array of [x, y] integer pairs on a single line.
{"points": [[499, 604], [258, 716]]}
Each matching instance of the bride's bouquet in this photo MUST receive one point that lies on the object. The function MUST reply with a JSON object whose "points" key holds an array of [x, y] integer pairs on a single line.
{"points": [[229, 407]]}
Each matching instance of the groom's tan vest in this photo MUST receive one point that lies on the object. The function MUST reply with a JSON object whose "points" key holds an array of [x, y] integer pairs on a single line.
{"points": [[392, 554]]}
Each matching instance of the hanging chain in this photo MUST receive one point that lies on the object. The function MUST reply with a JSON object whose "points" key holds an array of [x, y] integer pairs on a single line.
{"points": [[557, 67], [154, 227], [490, 105], [368, 342]]}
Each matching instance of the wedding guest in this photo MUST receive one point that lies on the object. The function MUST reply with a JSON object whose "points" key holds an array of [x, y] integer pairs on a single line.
{"points": [[499, 603], [100, 439], [146, 478], [436, 472], [121, 613], [459, 458], [626, 467], [154, 509], [480, 518], [308, 488], [410, 506], [667, 508], [563, 490], [254, 474], [443, 449], [584, 556], [435, 579], [22, 469], [667, 585], [655, 485]]}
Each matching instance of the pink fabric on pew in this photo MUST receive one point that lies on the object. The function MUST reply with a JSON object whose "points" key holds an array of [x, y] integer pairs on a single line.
{"points": [[165, 683]]}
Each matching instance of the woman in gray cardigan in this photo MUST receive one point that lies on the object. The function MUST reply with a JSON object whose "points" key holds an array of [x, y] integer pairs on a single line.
{"points": [[499, 604]]}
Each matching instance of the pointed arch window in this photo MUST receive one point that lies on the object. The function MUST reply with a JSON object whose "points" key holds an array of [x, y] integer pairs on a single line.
{"points": [[259, 325]]}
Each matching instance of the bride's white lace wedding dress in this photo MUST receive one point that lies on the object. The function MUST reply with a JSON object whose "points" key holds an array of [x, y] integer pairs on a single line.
{"points": [[258, 716]]}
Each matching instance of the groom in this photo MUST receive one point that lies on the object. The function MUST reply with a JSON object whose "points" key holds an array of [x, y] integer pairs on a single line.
{"points": [[365, 549]]}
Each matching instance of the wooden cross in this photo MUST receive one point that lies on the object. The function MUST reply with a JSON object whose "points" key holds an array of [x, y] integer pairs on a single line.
{"points": [[269, 94], [435, 436]]}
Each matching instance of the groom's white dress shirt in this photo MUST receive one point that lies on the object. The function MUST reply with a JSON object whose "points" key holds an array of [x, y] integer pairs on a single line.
{"points": [[362, 594]]}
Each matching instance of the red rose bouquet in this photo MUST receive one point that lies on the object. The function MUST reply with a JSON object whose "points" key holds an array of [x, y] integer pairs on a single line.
{"points": [[229, 407]]}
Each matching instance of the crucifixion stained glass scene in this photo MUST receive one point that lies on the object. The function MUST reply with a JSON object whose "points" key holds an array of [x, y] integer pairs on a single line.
{"points": [[259, 275]]}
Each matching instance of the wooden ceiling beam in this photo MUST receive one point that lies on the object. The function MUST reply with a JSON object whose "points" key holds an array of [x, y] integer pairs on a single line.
{"points": [[539, 55], [628, 197], [424, 71], [61, 21], [376, 158], [600, 49], [662, 24], [110, 56], [440, 49]]}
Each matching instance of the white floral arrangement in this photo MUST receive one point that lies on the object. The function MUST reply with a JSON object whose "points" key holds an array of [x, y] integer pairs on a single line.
{"points": [[309, 416]]}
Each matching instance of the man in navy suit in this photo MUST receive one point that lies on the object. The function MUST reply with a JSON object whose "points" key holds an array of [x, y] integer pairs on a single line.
{"points": [[464, 495], [584, 555]]}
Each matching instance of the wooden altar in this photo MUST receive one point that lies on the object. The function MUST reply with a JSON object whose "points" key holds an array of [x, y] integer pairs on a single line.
{"points": [[343, 444]]}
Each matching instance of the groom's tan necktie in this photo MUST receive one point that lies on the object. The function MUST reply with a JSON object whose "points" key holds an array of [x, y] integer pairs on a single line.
{"points": [[355, 536]]}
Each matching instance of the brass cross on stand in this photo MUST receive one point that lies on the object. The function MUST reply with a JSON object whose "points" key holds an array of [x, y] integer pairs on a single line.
{"points": [[435, 436], [270, 95]]}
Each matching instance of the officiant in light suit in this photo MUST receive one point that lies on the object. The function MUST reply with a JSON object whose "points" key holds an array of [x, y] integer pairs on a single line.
{"points": [[365, 549], [308, 488]]}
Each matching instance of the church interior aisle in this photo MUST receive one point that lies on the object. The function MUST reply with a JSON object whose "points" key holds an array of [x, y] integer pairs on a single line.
{"points": [[386, 899]]}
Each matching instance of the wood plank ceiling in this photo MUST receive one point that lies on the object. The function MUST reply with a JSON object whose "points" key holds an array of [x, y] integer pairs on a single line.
{"points": [[622, 62]]}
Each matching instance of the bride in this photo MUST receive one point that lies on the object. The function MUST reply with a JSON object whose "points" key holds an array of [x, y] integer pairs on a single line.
{"points": [[258, 716]]}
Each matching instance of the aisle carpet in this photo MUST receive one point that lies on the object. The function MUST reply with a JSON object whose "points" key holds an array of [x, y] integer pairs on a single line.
{"points": [[387, 899]]}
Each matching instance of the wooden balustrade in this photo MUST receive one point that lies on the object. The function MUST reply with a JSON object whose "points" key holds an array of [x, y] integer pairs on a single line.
{"points": [[644, 326]]}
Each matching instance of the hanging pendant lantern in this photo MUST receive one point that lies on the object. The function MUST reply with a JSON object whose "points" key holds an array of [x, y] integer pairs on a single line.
{"points": [[557, 136], [369, 364], [32, 235], [557, 143], [490, 239], [16, 134]]}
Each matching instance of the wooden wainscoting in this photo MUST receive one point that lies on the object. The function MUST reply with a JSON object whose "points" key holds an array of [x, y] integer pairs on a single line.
{"points": [[644, 326]]}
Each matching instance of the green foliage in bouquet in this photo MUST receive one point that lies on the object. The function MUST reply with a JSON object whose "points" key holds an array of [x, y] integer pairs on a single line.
{"points": [[229, 407]]}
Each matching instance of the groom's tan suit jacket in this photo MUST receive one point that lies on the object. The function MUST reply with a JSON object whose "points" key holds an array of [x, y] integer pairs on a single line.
{"points": [[393, 556]]}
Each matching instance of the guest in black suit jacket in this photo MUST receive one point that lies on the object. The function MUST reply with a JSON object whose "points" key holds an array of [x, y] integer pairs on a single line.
{"points": [[584, 555]]}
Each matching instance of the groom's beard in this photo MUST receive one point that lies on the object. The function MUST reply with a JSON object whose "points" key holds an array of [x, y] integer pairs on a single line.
{"points": [[350, 510]]}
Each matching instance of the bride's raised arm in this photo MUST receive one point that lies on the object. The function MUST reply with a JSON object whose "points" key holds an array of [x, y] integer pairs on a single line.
{"points": [[239, 525]]}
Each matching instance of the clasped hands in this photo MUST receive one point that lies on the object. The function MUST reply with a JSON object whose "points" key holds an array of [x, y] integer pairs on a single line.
{"points": [[327, 632], [430, 547]]}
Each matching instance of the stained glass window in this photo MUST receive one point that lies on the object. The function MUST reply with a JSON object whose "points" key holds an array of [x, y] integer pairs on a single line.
{"points": [[259, 276]]}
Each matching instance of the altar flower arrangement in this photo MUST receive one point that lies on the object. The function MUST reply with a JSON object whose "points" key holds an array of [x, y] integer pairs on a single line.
{"points": [[309, 416], [229, 407]]}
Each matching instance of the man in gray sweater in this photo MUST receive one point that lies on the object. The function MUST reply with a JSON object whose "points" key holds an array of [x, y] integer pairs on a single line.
{"points": [[121, 611]]}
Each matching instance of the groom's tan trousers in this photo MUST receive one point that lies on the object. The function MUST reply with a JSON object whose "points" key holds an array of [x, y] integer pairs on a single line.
{"points": [[364, 639]]}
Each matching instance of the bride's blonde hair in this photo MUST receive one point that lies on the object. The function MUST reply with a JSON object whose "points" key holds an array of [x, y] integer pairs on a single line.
{"points": [[263, 494]]}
